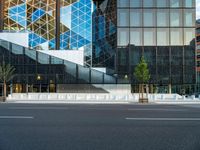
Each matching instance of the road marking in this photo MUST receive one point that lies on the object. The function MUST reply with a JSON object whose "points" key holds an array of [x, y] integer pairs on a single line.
{"points": [[16, 117], [164, 119], [37, 108], [159, 109]]}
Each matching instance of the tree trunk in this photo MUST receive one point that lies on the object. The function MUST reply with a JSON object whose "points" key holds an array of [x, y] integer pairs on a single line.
{"points": [[4, 90], [142, 91]]}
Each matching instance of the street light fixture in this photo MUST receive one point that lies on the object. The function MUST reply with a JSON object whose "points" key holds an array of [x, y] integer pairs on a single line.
{"points": [[39, 79]]}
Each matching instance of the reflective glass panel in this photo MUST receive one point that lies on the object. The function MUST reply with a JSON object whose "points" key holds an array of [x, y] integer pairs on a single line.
{"points": [[17, 49], [149, 17], [123, 3], [55, 60], [43, 58], [83, 73], [189, 3], [136, 37], [175, 18], [148, 3], [149, 37], [176, 37], [135, 3], [123, 36], [96, 76], [123, 17], [175, 3], [198, 31], [162, 17], [189, 17], [135, 17], [162, 3], [189, 35], [162, 36]]}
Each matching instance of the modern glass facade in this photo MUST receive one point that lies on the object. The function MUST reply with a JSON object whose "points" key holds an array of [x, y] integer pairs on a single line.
{"points": [[104, 34], [66, 24], [39, 17], [161, 30], [114, 34], [198, 49], [39, 72]]}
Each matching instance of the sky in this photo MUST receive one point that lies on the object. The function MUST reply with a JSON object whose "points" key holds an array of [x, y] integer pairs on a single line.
{"points": [[198, 9]]}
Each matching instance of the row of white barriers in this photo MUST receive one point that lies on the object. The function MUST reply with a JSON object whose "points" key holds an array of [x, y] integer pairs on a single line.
{"points": [[94, 97], [73, 96]]}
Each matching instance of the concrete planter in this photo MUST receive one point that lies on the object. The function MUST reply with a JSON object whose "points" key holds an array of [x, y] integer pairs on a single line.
{"points": [[143, 100], [2, 99]]}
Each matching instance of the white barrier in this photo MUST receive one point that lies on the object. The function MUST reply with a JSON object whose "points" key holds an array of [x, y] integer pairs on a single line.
{"points": [[95, 97], [73, 96]]}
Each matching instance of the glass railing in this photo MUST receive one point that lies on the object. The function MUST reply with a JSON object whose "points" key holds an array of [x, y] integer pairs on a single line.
{"points": [[79, 72]]}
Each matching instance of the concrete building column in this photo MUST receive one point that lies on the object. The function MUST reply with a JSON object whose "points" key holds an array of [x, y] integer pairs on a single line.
{"points": [[169, 88], [26, 88]]}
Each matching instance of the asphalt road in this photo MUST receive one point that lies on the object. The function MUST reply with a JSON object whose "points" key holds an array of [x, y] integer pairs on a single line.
{"points": [[99, 127]]}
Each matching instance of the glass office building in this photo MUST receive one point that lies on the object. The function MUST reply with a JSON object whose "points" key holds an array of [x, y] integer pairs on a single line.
{"points": [[114, 34], [64, 25], [58, 25], [161, 30], [198, 49]]}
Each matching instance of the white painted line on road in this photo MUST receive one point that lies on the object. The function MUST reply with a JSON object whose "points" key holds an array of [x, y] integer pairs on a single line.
{"points": [[159, 109], [16, 117], [164, 119], [24, 108]]}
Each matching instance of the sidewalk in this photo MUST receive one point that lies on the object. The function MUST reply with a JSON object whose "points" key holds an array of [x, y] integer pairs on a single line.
{"points": [[96, 98], [67, 102], [173, 102]]}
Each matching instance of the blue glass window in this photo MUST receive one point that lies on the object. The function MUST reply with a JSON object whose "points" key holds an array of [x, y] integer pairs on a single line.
{"points": [[189, 35], [149, 17], [148, 3], [123, 3], [149, 37], [189, 3], [189, 18], [162, 17], [176, 36], [175, 3], [135, 17], [135, 3], [123, 17], [176, 18], [123, 37], [162, 3], [136, 36], [162, 36]]}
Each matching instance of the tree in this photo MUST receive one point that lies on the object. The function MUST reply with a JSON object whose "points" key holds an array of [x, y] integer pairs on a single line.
{"points": [[6, 74], [142, 75]]}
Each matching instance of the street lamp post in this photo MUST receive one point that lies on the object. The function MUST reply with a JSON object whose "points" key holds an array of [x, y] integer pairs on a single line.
{"points": [[39, 79]]}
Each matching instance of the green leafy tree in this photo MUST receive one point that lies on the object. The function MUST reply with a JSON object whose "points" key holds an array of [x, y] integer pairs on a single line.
{"points": [[142, 75], [6, 74]]}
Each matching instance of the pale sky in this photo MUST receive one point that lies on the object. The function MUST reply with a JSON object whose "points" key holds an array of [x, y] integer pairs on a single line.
{"points": [[198, 9]]}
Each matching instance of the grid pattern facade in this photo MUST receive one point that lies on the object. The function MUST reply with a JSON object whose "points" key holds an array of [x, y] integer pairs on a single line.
{"points": [[104, 33], [163, 31], [69, 24], [198, 49], [38, 17], [36, 70]]}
